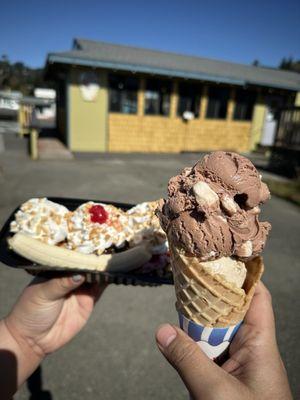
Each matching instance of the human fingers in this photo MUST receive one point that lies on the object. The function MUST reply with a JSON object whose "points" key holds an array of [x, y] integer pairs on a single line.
{"points": [[254, 356], [56, 288], [257, 334], [93, 290], [260, 314], [197, 371]]}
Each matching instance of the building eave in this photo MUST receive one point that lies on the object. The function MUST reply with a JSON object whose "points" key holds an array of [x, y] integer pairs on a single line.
{"points": [[172, 73], [52, 58]]}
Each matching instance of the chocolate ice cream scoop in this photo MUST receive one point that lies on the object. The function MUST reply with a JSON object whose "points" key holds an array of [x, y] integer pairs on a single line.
{"points": [[212, 209], [237, 175]]}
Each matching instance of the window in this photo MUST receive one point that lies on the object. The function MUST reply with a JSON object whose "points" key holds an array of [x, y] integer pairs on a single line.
{"points": [[189, 99], [217, 102], [244, 104], [157, 97], [122, 94]]}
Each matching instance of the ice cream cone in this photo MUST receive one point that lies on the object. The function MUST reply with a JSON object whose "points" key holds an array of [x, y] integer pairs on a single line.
{"points": [[211, 218], [208, 299]]}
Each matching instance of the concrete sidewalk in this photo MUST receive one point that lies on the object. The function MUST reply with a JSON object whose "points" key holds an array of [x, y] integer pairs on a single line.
{"points": [[115, 357]]}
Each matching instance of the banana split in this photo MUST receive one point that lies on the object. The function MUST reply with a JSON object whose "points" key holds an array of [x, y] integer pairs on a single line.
{"points": [[94, 237]]}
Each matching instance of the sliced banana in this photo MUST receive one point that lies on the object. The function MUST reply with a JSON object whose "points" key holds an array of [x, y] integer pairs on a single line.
{"points": [[54, 256]]}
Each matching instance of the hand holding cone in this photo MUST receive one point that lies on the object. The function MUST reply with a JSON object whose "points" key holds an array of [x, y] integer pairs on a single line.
{"points": [[211, 218]]}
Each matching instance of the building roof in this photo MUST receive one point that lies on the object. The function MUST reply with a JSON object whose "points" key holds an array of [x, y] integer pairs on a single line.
{"points": [[134, 59]]}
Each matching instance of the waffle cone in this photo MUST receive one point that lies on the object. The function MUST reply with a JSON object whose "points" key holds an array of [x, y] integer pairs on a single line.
{"points": [[208, 299]]}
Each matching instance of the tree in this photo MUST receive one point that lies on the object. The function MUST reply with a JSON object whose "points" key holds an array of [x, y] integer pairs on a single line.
{"points": [[289, 64], [4, 58], [18, 76]]}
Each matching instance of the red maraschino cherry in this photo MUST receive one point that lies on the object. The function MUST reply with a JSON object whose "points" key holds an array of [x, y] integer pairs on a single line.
{"points": [[98, 214]]}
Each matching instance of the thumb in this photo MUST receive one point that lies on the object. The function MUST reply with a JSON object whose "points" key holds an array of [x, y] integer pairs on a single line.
{"points": [[197, 371], [57, 288]]}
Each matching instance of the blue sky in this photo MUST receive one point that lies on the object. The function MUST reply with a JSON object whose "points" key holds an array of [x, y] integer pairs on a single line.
{"points": [[238, 31]]}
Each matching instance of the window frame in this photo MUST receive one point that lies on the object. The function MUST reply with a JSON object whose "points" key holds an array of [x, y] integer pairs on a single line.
{"points": [[243, 111], [214, 98], [158, 88], [193, 91], [131, 88]]}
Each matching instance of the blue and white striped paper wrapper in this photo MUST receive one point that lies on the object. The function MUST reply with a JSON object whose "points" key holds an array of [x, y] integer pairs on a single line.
{"points": [[212, 341]]}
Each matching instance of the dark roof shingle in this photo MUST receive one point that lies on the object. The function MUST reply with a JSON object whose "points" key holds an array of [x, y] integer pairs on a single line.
{"points": [[107, 55]]}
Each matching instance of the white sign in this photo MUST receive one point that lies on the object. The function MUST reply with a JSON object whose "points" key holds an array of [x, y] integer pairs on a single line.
{"points": [[43, 93], [89, 85], [188, 115]]}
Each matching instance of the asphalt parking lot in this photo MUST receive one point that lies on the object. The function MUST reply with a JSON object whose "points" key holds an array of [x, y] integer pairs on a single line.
{"points": [[115, 356]]}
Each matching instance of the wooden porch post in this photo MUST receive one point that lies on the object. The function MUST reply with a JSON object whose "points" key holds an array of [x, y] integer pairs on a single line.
{"points": [[231, 105], [204, 102], [174, 100], [141, 97]]}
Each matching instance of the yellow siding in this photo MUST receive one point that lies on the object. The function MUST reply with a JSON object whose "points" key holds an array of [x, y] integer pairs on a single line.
{"points": [[91, 128], [160, 134], [87, 124], [258, 120], [297, 100]]}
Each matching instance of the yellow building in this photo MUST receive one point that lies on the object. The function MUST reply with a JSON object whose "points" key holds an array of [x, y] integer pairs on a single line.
{"points": [[125, 99]]}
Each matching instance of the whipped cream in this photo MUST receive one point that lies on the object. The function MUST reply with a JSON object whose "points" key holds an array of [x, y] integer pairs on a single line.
{"points": [[145, 226], [87, 236], [42, 219], [54, 224]]}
